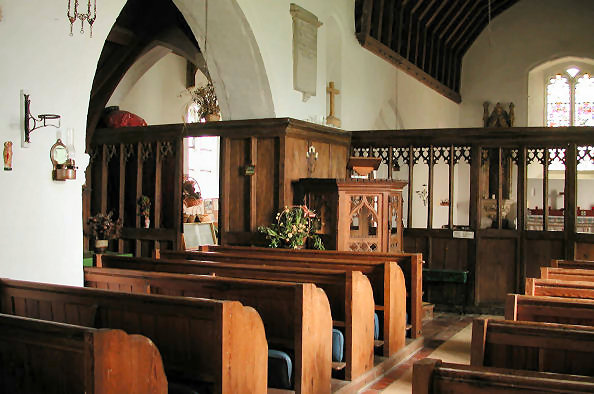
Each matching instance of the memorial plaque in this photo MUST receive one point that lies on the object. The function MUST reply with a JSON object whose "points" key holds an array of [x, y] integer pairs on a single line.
{"points": [[305, 51]]}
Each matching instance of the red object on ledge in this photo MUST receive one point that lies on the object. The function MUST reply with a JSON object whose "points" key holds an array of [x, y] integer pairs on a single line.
{"points": [[116, 118]]}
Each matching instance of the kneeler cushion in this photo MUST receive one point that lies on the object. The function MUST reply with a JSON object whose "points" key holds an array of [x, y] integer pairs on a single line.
{"points": [[337, 345], [375, 326], [280, 369]]}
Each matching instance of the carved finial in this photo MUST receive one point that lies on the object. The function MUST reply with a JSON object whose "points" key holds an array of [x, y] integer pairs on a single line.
{"points": [[512, 116], [485, 113]]}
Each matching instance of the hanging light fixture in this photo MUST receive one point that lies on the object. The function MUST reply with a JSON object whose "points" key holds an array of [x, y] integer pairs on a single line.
{"points": [[90, 18]]}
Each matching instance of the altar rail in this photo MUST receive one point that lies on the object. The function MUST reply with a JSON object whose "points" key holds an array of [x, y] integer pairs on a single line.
{"points": [[498, 252]]}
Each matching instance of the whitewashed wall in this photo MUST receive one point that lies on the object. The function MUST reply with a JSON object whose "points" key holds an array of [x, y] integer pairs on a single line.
{"points": [[41, 220], [531, 32]]}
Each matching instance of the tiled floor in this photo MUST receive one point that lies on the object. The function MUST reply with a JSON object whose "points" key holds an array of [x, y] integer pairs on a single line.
{"points": [[453, 328]]}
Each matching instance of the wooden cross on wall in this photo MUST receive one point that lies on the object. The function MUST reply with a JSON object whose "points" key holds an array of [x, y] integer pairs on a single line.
{"points": [[331, 119]]}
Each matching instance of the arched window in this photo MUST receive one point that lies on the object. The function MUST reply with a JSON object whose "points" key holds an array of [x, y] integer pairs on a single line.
{"points": [[570, 98]]}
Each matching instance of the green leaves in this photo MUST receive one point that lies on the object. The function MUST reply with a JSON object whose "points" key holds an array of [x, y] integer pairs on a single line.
{"points": [[293, 227]]}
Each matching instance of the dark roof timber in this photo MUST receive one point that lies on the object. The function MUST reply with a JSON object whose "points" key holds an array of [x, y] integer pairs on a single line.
{"points": [[425, 38]]}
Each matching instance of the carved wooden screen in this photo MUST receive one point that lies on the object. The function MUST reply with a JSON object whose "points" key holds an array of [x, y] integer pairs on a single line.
{"points": [[126, 164]]}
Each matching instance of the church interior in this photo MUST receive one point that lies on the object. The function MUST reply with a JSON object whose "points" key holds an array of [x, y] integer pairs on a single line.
{"points": [[339, 196]]}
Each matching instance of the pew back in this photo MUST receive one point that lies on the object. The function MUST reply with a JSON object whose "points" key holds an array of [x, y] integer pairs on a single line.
{"points": [[367, 262], [386, 278], [205, 342], [549, 309], [571, 274], [349, 293], [579, 264], [559, 288], [34, 355], [433, 376], [545, 347], [296, 316]]}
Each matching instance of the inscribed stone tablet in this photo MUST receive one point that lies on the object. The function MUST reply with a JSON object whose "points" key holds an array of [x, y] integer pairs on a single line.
{"points": [[305, 51]]}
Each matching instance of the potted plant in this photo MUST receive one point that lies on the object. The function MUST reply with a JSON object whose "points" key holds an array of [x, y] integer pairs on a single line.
{"points": [[144, 209], [206, 99], [102, 228], [294, 226]]}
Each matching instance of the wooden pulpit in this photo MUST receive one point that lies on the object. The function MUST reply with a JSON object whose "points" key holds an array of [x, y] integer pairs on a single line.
{"points": [[357, 215]]}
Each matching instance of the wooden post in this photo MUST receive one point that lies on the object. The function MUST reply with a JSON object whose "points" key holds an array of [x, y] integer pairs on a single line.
{"points": [[570, 201], [122, 192]]}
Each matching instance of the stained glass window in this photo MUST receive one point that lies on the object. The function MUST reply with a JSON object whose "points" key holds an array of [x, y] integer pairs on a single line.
{"points": [[584, 100], [558, 102], [570, 99]]}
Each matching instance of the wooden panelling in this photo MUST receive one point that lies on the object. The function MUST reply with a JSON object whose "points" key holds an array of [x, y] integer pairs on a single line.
{"points": [[496, 270], [239, 193], [266, 177], [539, 253], [584, 251]]}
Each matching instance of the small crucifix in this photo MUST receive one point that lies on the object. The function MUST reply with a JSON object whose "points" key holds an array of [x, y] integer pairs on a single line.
{"points": [[331, 119]]}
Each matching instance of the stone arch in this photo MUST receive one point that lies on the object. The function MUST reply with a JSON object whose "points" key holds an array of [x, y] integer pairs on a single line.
{"points": [[227, 45], [232, 56]]}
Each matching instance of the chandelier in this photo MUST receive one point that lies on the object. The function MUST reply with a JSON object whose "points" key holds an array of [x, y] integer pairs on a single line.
{"points": [[90, 18]]}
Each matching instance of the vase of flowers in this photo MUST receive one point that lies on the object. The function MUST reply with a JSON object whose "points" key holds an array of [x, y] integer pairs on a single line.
{"points": [[208, 104], [144, 209], [102, 228], [293, 228]]}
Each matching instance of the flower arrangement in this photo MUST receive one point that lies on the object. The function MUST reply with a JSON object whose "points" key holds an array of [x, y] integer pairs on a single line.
{"points": [[206, 99], [144, 206], [102, 226], [293, 227]]}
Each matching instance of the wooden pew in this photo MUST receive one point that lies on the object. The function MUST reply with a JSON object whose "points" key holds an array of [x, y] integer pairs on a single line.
{"points": [[349, 293], [216, 346], [370, 264], [559, 288], [296, 316], [386, 278], [434, 376], [549, 309], [579, 264], [35, 354], [533, 346], [570, 274]]}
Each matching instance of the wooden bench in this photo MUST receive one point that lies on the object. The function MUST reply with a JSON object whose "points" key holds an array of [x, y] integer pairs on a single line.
{"points": [[35, 354], [533, 346], [549, 309], [559, 288], [349, 293], [386, 278], [214, 346], [434, 376], [579, 264], [296, 316], [371, 264], [570, 274]]}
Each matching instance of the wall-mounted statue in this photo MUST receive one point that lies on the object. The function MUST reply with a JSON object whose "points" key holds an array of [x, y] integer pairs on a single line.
{"points": [[499, 117], [7, 154]]}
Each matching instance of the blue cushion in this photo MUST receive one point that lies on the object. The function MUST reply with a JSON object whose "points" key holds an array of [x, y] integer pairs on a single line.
{"points": [[280, 369], [337, 345], [375, 326]]}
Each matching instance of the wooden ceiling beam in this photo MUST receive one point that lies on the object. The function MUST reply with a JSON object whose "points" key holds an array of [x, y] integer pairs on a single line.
{"points": [[455, 18], [463, 22]]}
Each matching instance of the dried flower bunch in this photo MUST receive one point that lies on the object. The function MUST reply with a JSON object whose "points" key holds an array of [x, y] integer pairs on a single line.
{"points": [[102, 226], [144, 205], [293, 227], [206, 99]]}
